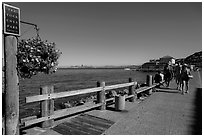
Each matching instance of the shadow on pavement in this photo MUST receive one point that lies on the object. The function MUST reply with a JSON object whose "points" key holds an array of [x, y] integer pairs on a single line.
{"points": [[167, 90], [197, 123]]}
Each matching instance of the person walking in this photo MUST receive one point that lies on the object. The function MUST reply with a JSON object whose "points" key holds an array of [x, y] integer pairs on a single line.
{"points": [[162, 76], [168, 74], [185, 77], [177, 72], [158, 79]]}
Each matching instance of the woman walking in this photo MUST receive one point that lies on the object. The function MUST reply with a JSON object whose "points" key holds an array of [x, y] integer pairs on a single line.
{"points": [[177, 72], [185, 77], [168, 74]]}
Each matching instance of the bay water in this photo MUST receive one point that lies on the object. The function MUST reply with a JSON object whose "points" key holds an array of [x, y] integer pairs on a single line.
{"points": [[72, 79]]}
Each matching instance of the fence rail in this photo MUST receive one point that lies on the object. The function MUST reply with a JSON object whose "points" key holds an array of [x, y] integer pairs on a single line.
{"points": [[47, 100], [61, 94], [62, 113]]}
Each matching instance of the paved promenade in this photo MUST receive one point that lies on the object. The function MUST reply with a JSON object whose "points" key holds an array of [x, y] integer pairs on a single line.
{"points": [[165, 112]]}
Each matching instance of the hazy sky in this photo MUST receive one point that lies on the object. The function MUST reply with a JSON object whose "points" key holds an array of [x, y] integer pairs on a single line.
{"points": [[116, 33]]}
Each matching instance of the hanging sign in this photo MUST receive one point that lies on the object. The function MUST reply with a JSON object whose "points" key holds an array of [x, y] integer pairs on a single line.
{"points": [[11, 20]]}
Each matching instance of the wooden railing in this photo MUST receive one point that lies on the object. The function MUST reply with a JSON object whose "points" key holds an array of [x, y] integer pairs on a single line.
{"points": [[47, 100]]}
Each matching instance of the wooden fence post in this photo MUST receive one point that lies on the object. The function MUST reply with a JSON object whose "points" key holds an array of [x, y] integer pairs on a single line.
{"points": [[131, 91], [149, 81], [11, 87], [101, 98], [47, 106]]}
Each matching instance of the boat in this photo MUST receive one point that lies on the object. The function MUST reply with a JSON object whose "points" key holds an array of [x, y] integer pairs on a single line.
{"points": [[127, 69]]}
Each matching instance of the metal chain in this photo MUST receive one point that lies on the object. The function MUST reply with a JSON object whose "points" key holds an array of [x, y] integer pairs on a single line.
{"points": [[36, 28]]}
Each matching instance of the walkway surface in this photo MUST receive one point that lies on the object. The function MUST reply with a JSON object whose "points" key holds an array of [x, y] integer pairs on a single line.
{"points": [[165, 112]]}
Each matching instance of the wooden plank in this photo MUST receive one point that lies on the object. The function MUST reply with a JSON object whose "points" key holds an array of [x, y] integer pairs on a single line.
{"points": [[82, 128], [96, 122], [64, 130], [110, 99], [28, 118], [47, 106], [77, 127], [11, 87], [84, 125], [63, 112], [33, 131], [69, 111], [130, 96], [61, 94], [61, 130], [142, 89], [108, 122], [91, 129], [37, 98], [119, 86], [91, 122], [38, 120], [88, 124]]}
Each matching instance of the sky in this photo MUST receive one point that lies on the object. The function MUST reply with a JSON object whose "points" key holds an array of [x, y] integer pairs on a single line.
{"points": [[115, 33]]}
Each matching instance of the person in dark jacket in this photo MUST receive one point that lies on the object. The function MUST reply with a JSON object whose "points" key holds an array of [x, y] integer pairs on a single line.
{"points": [[185, 77], [168, 74], [177, 76], [158, 78]]}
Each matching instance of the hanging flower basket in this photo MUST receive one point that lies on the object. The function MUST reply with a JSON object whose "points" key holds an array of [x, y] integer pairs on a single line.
{"points": [[35, 56]]}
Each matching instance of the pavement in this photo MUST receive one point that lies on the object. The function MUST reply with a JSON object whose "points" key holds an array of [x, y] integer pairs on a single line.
{"points": [[165, 112]]}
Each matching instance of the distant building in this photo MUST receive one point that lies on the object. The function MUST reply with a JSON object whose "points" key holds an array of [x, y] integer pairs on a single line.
{"points": [[159, 64], [149, 66]]}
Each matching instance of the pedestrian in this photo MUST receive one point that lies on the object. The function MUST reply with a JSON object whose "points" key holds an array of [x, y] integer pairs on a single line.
{"points": [[162, 76], [177, 72], [158, 78], [168, 74], [185, 77]]}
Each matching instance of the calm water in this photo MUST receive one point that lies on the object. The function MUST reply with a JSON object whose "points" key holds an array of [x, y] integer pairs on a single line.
{"points": [[71, 79]]}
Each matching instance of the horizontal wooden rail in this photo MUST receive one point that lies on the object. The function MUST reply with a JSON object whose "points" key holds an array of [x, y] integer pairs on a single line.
{"points": [[61, 94], [119, 86], [129, 96], [73, 93], [62, 113], [142, 89], [110, 99], [23, 120]]}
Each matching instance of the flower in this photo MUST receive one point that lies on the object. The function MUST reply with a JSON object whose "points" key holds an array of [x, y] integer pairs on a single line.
{"points": [[34, 56]]}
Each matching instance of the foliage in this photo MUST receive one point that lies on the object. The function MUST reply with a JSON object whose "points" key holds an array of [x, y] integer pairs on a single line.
{"points": [[34, 56], [194, 58]]}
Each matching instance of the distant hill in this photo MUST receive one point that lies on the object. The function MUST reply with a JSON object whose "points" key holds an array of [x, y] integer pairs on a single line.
{"points": [[194, 59]]}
